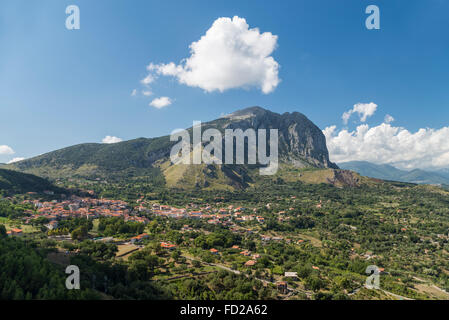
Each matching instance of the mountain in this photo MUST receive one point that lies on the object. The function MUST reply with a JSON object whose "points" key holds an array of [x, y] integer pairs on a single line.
{"points": [[301, 144], [17, 182], [387, 172], [368, 169], [443, 172]]}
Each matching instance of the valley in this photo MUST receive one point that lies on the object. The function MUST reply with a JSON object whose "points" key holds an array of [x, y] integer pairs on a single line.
{"points": [[151, 229], [325, 234]]}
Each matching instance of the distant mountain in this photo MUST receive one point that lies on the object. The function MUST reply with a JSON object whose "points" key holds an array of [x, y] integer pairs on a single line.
{"points": [[17, 182], [443, 172], [387, 172], [301, 144]]}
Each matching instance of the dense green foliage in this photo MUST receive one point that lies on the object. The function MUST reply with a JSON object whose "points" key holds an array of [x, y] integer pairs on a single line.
{"points": [[12, 182], [74, 223], [11, 210], [98, 250], [117, 280], [222, 286], [26, 274], [117, 226]]}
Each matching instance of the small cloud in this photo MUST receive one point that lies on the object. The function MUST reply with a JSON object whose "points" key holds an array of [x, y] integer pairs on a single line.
{"points": [[161, 102], [133, 94], [364, 111], [15, 160], [177, 130], [148, 80], [111, 139], [4, 149], [147, 93], [346, 115], [388, 119]]}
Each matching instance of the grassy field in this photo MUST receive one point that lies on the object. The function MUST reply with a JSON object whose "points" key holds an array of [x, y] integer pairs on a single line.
{"points": [[4, 220], [10, 224], [124, 250], [95, 224]]}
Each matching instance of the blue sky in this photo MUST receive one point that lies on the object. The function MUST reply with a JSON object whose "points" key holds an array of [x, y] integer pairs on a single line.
{"points": [[61, 87]]}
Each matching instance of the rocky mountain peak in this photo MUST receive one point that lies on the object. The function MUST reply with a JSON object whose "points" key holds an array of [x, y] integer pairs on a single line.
{"points": [[301, 142]]}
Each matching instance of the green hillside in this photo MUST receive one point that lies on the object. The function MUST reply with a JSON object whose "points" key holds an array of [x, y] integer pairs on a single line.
{"points": [[103, 161], [17, 182]]}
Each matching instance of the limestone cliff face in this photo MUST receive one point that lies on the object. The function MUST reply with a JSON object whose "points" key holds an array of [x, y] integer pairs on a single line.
{"points": [[301, 142]]}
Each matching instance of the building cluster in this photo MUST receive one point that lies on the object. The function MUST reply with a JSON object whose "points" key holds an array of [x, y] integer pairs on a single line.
{"points": [[222, 216], [77, 207], [15, 232]]}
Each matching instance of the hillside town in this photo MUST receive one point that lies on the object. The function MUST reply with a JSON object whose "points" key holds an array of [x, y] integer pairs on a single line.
{"points": [[77, 207], [229, 217], [92, 208]]}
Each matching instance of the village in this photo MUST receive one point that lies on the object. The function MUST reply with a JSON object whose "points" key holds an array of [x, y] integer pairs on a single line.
{"points": [[248, 223], [55, 211], [239, 220]]}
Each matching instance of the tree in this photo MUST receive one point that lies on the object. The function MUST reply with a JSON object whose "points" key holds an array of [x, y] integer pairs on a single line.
{"points": [[79, 233], [175, 255], [2, 231]]}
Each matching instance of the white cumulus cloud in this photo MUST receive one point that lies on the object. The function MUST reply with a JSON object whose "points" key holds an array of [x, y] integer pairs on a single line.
{"points": [[15, 160], [364, 110], [111, 139], [426, 148], [4, 149], [161, 102], [230, 55]]}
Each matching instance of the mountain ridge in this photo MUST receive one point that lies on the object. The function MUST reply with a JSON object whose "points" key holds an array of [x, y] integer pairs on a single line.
{"points": [[301, 144], [388, 172]]}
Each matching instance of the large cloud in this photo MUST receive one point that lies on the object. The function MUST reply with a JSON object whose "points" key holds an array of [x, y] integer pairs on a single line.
{"points": [[425, 148], [230, 55], [4, 149]]}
